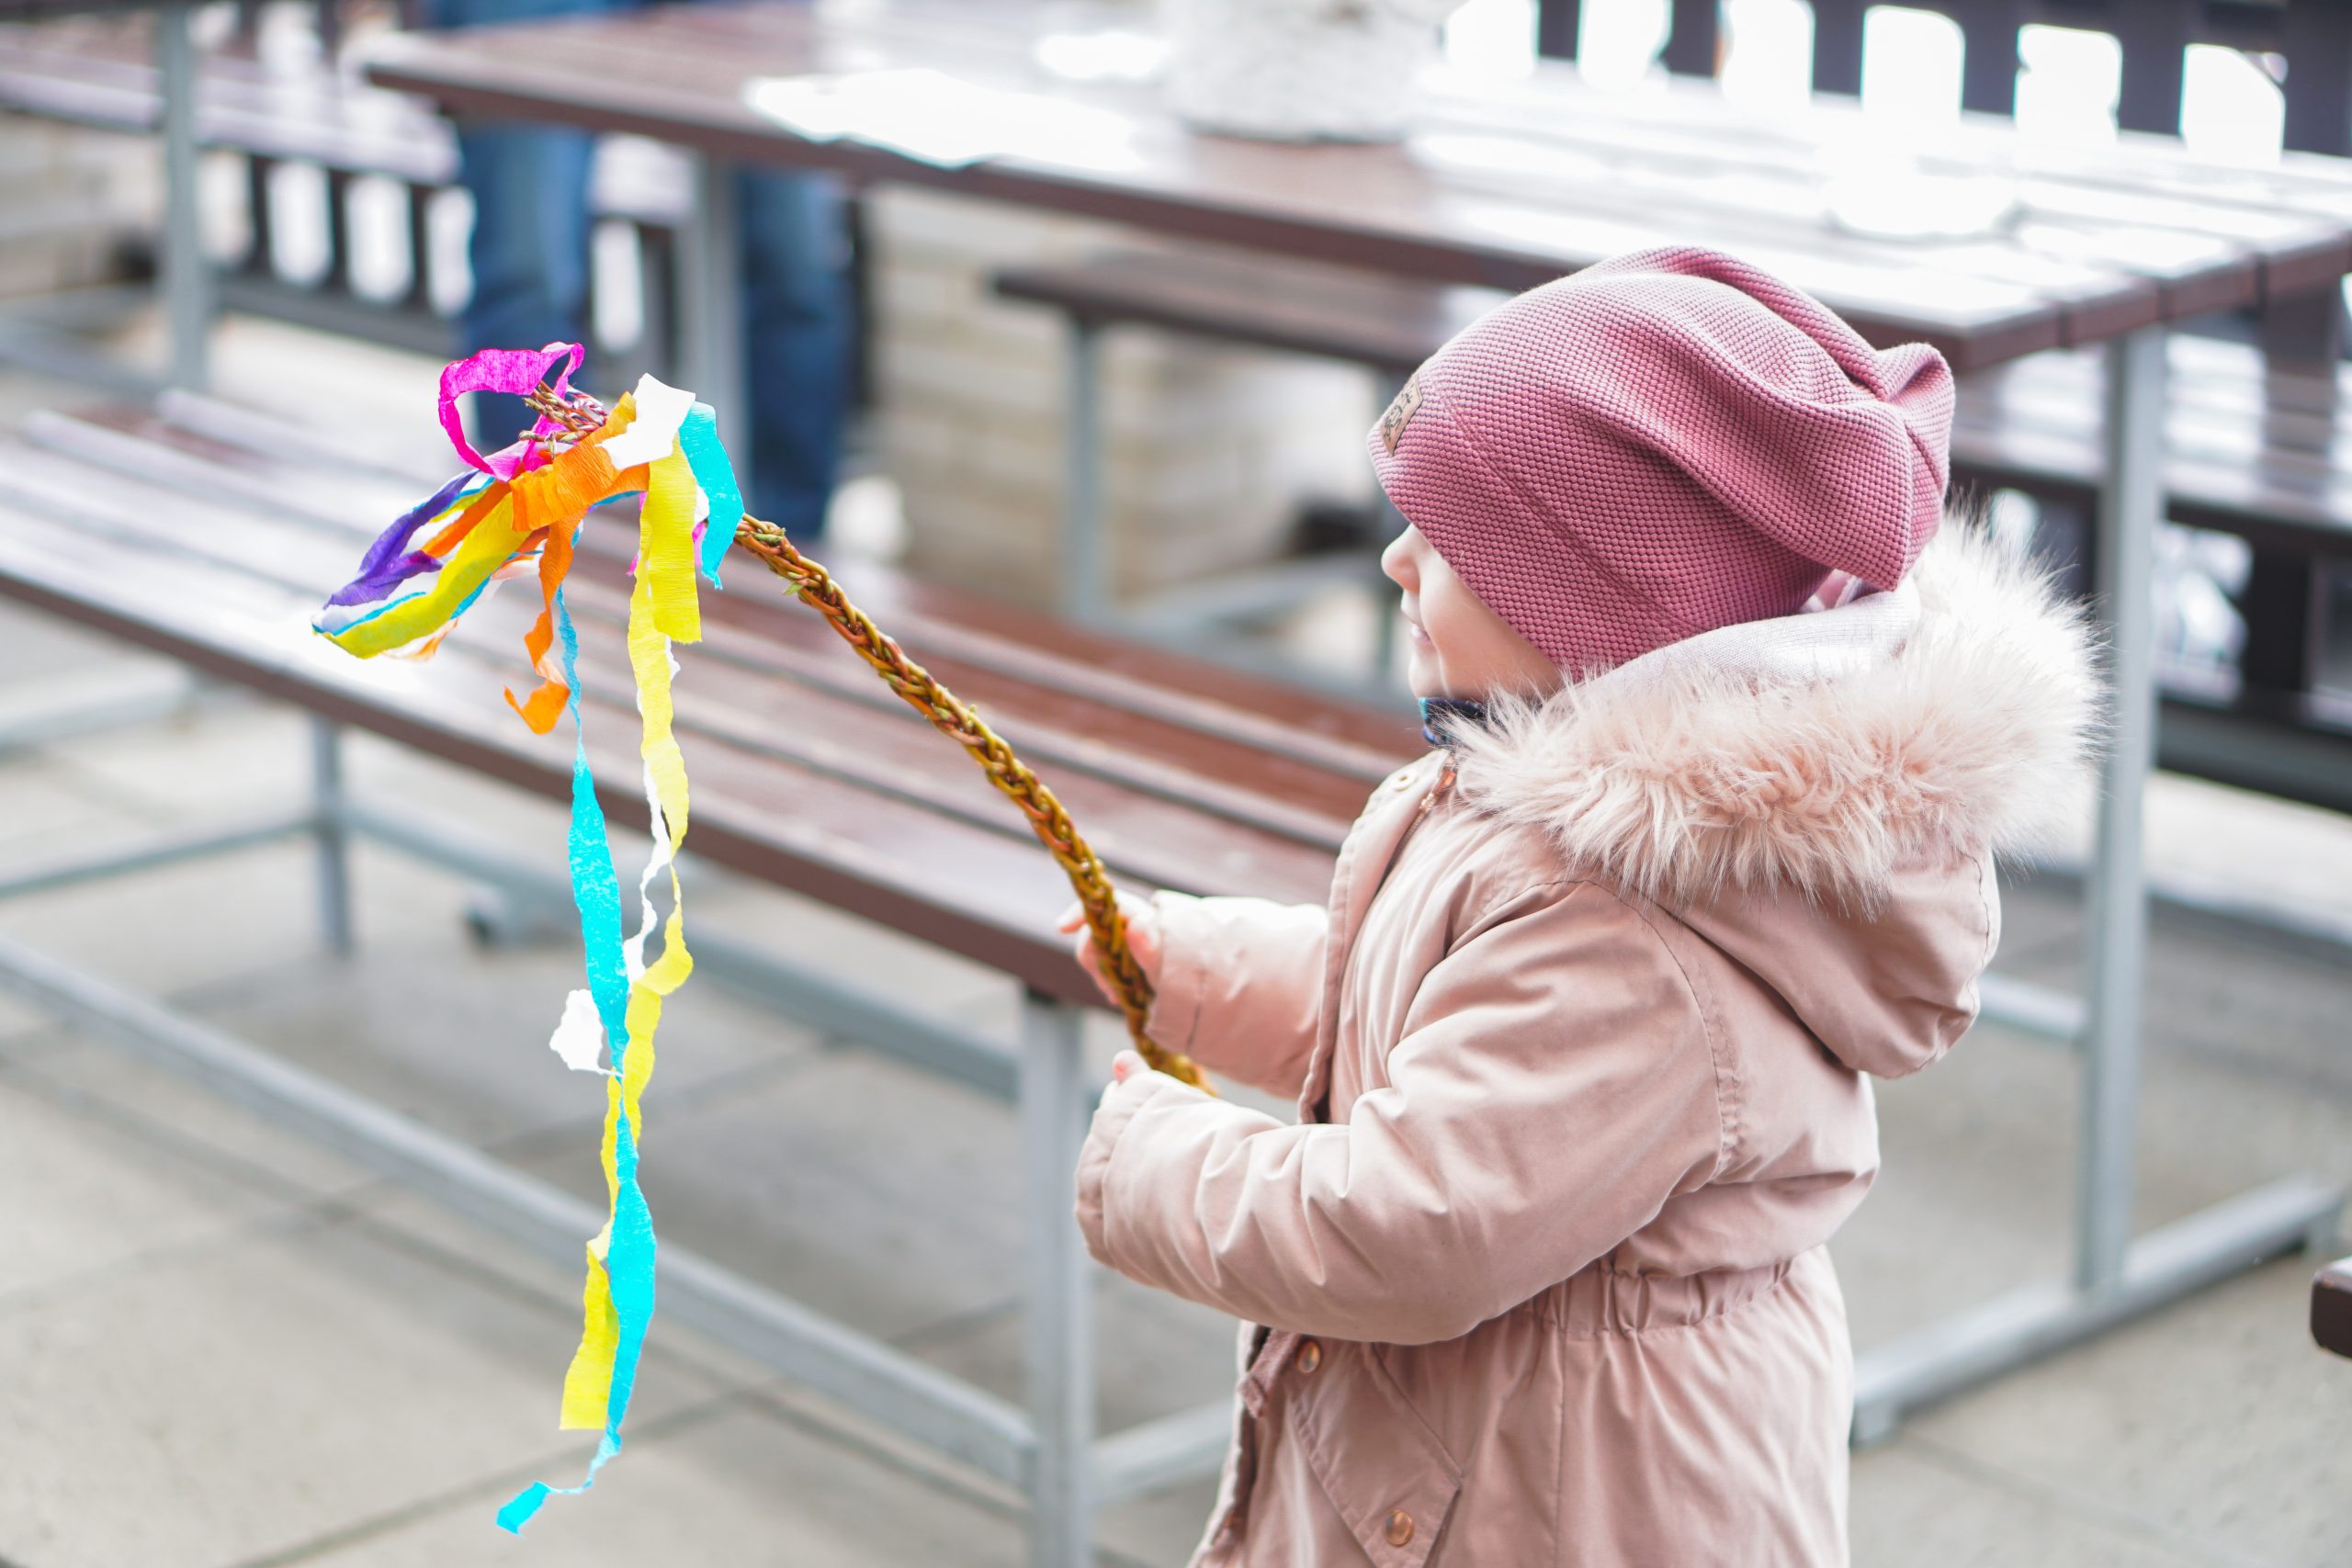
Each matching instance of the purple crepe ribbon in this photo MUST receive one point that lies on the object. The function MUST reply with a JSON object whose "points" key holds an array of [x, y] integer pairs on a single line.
{"points": [[385, 566]]}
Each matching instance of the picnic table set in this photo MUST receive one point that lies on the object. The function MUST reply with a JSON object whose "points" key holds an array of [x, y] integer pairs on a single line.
{"points": [[1986, 246]]}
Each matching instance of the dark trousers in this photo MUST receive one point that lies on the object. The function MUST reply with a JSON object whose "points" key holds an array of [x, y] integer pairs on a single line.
{"points": [[529, 255]]}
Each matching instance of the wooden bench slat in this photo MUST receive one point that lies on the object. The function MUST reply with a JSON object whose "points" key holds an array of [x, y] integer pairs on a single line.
{"points": [[1213, 716], [1287, 791], [979, 893], [884, 751]]}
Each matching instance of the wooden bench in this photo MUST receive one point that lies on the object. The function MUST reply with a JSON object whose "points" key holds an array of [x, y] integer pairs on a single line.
{"points": [[2332, 1307], [2252, 451], [98, 73], [210, 535]]}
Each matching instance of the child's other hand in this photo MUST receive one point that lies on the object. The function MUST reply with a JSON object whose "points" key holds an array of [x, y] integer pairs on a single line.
{"points": [[1126, 1064], [1143, 940]]}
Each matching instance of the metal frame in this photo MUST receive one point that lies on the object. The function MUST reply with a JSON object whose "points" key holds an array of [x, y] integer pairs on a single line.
{"points": [[1045, 1448], [187, 304], [183, 282], [710, 354], [2115, 1276], [1087, 590]]}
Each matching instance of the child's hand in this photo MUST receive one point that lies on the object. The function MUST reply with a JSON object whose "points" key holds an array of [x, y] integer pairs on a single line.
{"points": [[1143, 940], [1126, 1064]]}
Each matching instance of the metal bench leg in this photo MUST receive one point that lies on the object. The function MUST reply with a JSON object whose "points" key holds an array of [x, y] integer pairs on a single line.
{"points": [[187, 309], [710, 360], [1058, 1322], [1087, 594], [334, 833]]}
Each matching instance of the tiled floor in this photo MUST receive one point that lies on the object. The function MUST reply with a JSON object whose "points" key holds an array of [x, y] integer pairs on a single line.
{"points": [[222, 1347]]}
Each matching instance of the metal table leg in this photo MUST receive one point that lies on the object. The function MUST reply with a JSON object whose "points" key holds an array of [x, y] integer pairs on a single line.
{"points": [[2115, 1276], [187, 306], [711, 357], [1058, 1327], [2130, 506], [334, 833], [1086, 586]]}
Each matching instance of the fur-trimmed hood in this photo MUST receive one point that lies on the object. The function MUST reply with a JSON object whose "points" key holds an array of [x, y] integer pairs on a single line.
{"points": [[1818, 768], [1681, 777]]}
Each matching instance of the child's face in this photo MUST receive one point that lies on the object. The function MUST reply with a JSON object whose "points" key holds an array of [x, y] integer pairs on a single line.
{"points": [[1460, 648]]}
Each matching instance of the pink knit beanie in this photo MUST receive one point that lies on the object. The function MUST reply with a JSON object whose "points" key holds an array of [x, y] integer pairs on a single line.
{"points": [[1666, 443]]}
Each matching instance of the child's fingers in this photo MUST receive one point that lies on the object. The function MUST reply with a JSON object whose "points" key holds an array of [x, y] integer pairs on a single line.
{"points": [[1072, 918], [1126, 1064]]}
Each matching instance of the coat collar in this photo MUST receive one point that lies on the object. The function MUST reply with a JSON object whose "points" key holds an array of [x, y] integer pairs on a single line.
{"points": [[1817, 753]]}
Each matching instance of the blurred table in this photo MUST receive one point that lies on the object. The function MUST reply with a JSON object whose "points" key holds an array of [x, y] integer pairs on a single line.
{"points": [[187, 306], [1512, 184], [1505, 183]]}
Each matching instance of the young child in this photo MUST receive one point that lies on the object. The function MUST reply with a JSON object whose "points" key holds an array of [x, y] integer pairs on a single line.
{"points": [[1730, 726]]}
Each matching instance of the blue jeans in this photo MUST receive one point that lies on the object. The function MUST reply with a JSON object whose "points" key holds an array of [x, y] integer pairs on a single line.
{"points": [[529, 255]]}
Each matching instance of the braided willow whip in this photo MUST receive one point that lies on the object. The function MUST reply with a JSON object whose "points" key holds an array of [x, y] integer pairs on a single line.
{"points": [[1088, 877]]}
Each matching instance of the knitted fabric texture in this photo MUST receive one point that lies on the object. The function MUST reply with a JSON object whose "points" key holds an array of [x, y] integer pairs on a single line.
{"points": [[1666, 443]]}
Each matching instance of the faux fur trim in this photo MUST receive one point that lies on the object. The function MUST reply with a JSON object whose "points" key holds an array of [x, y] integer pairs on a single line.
{"points": [[1676, 780]]}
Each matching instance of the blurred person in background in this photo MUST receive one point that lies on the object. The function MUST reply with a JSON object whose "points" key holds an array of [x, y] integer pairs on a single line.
{"points": [[529, 256]]}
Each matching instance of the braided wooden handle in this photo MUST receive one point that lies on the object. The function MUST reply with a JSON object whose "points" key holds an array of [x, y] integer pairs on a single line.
{"points": [[1088, 877]]}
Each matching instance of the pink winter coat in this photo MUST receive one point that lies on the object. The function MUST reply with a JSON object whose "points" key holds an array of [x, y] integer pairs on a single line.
{"points": [[1579, 1051]]}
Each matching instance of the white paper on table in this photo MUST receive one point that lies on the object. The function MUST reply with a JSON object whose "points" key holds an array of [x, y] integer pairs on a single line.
{"points": [[941, 120]]}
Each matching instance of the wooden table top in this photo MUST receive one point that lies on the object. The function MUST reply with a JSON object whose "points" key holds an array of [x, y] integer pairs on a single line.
{"points": [[1508, 185]]}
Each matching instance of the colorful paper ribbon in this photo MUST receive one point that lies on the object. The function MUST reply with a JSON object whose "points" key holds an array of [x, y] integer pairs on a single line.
{"points": [[521, 512]]}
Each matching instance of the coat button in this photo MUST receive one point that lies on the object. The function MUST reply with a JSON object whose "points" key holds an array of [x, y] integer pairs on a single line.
{"points": [[1310, 1356], [1399, 1528]]}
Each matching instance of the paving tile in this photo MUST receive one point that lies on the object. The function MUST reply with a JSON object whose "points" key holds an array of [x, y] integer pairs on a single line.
{"points": [[1975, 1189], [2208, 1131], [34, 645], [235, 756], [857, 952], [2239, 844], [869, 1192], [202, 923], [93, 1188], [457, 1037], [227, 1403], [2037, 913], [46, 804], [2217, 1424], [1911, 1511], [101, 1083], [388, 775], [1156, 1355], [747, 1490], [1160, 1528]]}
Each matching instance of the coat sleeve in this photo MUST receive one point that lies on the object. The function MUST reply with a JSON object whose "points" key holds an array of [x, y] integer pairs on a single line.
{"points": [[1555, 1086], [1240, 985]]}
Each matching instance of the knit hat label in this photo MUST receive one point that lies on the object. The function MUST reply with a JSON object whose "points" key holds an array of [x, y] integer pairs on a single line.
{"points": [[1407, 402]]}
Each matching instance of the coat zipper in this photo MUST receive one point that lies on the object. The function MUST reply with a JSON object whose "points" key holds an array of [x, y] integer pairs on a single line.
{"points": [[1444, 782]]}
